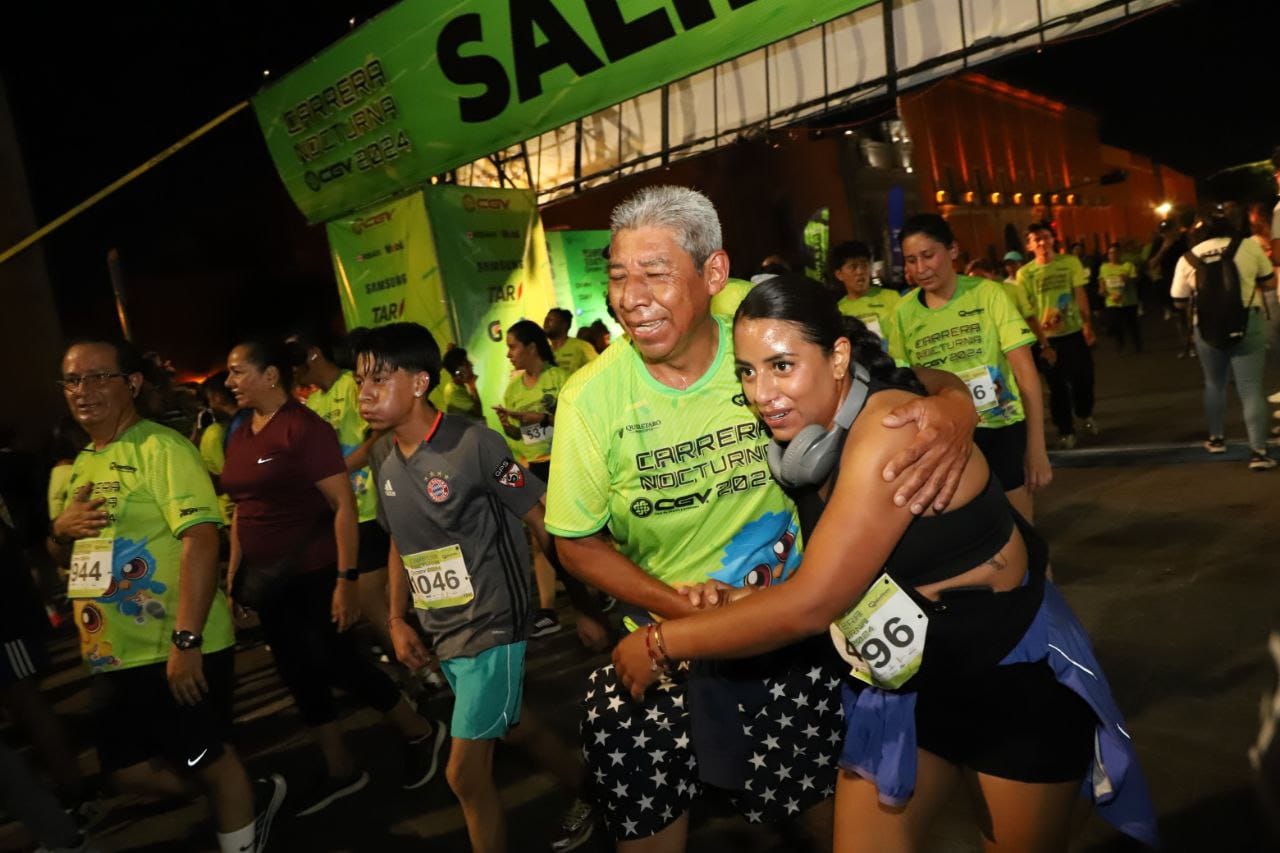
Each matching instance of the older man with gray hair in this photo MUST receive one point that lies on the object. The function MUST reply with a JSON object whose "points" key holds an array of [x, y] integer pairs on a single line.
{"points": [[660, 481]]}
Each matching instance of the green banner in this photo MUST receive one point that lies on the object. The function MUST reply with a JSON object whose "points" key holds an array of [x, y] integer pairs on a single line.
{"points": [[581, 276], [494, 259], [385, 263], [427, 86]]}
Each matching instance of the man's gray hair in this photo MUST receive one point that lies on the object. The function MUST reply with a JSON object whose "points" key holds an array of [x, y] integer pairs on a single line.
{"points": [[688, 213]]}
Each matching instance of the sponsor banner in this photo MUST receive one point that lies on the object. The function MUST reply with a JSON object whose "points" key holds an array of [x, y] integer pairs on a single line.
{"points": [[581, 276], [493, 256], [385, 263], [427, 86]]}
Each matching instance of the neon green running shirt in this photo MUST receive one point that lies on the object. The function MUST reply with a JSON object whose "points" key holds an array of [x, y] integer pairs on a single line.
{"points": [[969, 337], [534, 444], [873, 308], [1051, 288], [340, 408], [156, 487], [678, 477]]}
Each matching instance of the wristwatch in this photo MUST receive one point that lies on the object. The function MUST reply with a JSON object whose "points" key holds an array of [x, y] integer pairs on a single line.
{"points": [[186, 640], [349, 574]]}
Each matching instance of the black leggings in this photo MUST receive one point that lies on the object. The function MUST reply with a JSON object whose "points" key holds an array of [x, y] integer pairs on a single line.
{"points": [[1070, 380], [313, 657]]}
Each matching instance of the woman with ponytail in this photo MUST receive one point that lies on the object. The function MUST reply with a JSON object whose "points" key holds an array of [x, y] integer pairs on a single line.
{"points": [[965, 663]]}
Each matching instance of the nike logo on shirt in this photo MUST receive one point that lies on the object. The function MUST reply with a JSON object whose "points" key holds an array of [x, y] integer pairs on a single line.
{"points": [[268, 459], [192, 762]]}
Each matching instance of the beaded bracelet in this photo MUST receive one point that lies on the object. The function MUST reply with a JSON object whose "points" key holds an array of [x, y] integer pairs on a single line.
{"points": [[648, 645], [662, 647]]}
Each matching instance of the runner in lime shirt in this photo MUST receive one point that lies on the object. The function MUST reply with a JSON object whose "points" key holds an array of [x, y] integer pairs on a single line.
{"points": [[1056, 286], [140, 532], [460, 395], [660, 477], [968, 326], [213, 440], [571, 353], [528, 410], [850, 265], [527, 415], [983, 268], [1118, 285]]}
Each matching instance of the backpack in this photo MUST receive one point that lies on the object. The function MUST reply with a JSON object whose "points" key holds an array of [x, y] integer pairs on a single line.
{"points": [[1221, 315]]}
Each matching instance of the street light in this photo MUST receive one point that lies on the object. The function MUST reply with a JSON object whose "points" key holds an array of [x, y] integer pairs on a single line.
{"points": [[1164, 209]]}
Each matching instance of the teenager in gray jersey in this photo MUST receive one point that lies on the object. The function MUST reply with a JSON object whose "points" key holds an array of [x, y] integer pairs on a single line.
{"points": [[453, 499]]}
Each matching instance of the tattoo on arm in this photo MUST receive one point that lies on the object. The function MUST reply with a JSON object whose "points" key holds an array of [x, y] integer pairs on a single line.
{"points": [[998, 563]]}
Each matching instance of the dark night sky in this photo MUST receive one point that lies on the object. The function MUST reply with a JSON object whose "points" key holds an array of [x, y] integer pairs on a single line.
{"points": [[212, 247]]}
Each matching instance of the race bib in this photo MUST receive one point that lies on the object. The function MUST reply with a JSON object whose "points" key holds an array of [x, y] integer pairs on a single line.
{"points": [[90, 574], [882, 636], [982, 388], [535, 433], [438, 578]]}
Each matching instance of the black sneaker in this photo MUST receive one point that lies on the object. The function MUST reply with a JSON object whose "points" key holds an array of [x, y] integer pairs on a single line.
{"points": [[1216, 444], [545, 623], [1260, 461], [422, 758], [578, 824], [329, 791], [268, 796]]}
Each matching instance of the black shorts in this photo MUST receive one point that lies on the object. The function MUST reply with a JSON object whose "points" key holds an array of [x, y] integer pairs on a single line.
{"points": [[374, 546], [1006, 451], [643, 773], [136, 718], [22, 658], [1014, 722]]}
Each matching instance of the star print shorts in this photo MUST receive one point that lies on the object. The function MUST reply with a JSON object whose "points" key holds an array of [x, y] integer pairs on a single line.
{"points": [[642, 771]]}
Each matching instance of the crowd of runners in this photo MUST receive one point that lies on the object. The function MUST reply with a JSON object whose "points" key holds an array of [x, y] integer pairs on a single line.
{"points": [[798, 513]]}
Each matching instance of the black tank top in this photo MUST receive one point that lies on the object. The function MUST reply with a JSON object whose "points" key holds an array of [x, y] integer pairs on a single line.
{"points": [[969, 629]]}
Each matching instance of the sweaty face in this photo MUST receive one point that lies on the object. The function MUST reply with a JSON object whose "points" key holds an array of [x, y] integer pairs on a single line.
{"points": [[789, 381], [102, 397], [855, 275], [387, 397], [656, 290], [928, 262]]}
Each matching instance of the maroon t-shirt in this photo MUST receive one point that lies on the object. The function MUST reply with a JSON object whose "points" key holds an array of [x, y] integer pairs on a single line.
{"points": [[272, 478]]}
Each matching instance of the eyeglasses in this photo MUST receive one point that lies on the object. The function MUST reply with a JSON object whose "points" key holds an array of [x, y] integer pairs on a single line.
{"points": [[89, 380]]}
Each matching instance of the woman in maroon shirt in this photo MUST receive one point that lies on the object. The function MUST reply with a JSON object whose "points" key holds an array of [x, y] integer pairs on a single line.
{"points": [[295, 522]]}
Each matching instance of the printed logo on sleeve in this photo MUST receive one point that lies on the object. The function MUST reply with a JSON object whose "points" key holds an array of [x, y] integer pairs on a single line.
{"points": [[509, 474]]}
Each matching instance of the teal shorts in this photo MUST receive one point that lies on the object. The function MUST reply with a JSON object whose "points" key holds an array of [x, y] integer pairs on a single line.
{"points": [[488, 689]]}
